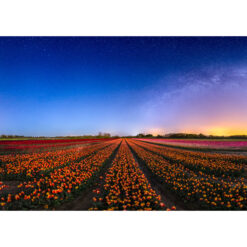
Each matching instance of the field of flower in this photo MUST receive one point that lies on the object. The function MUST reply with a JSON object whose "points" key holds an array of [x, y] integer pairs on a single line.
{"points": [[122, 174], [211, 144], [17, 146], [126, 187], [50, 182], [199, 181]]}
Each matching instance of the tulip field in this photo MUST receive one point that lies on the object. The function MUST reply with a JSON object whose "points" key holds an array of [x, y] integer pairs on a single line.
{"points": [[119, 174], [20, 146], [203, 144]]}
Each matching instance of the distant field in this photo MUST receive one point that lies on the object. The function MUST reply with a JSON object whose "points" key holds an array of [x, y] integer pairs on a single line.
{"points": [[202, 143], [31, 145]]}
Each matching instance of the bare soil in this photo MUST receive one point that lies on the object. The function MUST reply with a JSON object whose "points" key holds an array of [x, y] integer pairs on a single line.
{"points": [[12, 187]]}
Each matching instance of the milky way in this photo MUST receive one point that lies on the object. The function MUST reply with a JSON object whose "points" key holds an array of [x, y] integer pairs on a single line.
{"points": [[210, 101]]}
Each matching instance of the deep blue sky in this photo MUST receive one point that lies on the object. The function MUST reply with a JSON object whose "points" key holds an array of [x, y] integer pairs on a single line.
{"points": [[124, 85]]}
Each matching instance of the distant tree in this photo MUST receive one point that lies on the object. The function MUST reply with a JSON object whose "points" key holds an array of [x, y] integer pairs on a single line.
{"points": [[107, 135], [140, 135], [202, 136], [160, 136]]}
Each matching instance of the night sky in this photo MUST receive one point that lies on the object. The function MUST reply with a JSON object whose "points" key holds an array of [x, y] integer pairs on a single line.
{"points": [[123, 85]]}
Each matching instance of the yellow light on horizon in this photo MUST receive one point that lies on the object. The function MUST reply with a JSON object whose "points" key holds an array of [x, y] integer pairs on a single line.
{"points": [[224, 131], [216, 131]]}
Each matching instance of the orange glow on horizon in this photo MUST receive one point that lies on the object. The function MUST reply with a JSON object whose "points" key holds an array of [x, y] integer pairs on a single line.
{"points": [[216, 131], [224, 131]]}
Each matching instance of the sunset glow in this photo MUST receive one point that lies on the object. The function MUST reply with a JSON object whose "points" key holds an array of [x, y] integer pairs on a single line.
{"points": [[218, 131]]}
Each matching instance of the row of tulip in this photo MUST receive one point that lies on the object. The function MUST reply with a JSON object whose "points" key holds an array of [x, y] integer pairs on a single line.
{"points": [[39, 145], [201, 143], [220, 165], [201, 190], [59, 185], [209, 156], [16, 158], [126, 187], [28, 166], [50, 141]]}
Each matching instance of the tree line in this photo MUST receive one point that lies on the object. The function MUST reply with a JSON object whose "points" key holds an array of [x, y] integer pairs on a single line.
{"points": [[100, 135], [190, 136]]}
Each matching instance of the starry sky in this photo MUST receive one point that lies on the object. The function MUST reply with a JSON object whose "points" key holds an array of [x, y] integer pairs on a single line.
{"points": [[123, 85]]}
